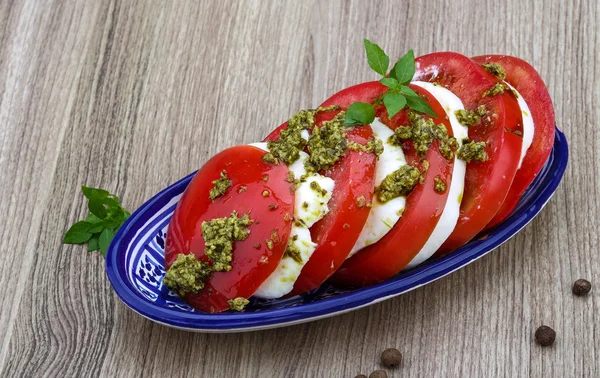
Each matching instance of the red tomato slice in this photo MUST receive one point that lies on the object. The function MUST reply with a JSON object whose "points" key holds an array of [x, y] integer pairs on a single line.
{"points": [[486, 183], [530, 85], [354, 176], [250, 265], [424, 206]]}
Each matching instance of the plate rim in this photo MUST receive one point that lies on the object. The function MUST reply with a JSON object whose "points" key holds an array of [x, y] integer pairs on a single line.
{"points": [[250, 321]]}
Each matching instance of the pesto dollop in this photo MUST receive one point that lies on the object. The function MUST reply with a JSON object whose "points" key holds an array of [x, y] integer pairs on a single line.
{"points": [[470, 117], [440, 185], [495, 69], [422, 132], [327, 144], [238, 304], [497, 89], [220, 186], [374, 146], [219, 234], [472, 151], [187, 274], [287, 148], [398, 183]]}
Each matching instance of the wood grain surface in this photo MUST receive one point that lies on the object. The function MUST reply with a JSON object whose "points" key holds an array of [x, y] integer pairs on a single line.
{"points": [[133, 95]]}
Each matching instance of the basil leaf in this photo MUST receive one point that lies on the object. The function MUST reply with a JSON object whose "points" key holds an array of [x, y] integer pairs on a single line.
{"points": [[104, 241], [94, 193], [98, 227], [420, 105], [78, 233], [377, 58], [93, 219], [97, 208], [359, 113], [390, 83], [394, 103], [93, 244], [404, 69], [407, 91]]}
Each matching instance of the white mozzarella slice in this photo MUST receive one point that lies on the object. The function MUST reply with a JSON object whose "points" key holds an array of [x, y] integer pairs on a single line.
{"points": [[310, 206], [528, 127], [383, 216], [451, 103]]}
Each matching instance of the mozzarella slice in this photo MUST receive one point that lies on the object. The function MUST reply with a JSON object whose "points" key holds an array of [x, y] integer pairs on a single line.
{"points": [[528, 127], [310, 206], [451, 103], [383, 216]]}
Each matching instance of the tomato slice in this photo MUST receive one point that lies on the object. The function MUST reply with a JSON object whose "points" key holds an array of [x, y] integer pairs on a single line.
{"points": [[354, 176], [251, 265], [530, 85], [486, 183], [423, 209]]}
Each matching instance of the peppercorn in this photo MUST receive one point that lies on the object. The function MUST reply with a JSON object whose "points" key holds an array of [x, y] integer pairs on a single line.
{"points": [[378, 374], [391, 357], [545, 335], [581, 287]]}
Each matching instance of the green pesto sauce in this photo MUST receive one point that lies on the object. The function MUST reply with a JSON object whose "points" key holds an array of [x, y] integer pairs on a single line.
{"points": [[472, 151], [440, 185], [497, 89], [422, 132], [219, 234], [238, 304], [467, 117], [374, 146], [287, 148], [496, 70], [317, 188], [327, 144], [292, 251], [398, 183], [220, 186], [187, 274]]}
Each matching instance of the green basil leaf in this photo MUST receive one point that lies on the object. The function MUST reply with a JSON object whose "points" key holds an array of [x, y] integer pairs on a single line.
{"points": [[359, 113], [390, 83], [78, 233], [94, 193], [97, 208], [407, 91], [420, 105], [394, 103], [91, 218], [93, 244], [98, 227], [404, 69], [377, 58], [104, 241]]}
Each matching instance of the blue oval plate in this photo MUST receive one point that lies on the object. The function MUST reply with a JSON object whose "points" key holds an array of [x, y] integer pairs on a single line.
{"points": [[134, 265]]}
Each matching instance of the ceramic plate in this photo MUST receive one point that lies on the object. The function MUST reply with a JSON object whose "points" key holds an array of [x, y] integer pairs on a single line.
{"points": [[134, 265]]}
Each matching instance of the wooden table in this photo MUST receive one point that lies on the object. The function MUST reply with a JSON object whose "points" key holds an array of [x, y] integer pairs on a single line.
{"points": [[133, 95]]}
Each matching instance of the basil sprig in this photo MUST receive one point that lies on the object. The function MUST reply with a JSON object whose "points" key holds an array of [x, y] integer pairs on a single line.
{"points": [[100, 226], [397, 96]]}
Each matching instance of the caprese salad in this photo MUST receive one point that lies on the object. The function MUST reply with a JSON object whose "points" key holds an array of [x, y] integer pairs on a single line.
{"points": [[377, 179]]}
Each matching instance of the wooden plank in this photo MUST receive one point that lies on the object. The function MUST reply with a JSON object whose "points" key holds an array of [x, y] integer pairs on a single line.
{"points": [[132, 95]]}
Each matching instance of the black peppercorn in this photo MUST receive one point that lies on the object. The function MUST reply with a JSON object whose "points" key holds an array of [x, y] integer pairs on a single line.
{"points": [[391, 357], [545, 335], [581, 287], [378, 374]]}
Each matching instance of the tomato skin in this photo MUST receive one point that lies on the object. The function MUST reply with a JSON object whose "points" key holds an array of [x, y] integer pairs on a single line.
{"points": [[486, 183], [424, 206], [244, 167], [354, 176], [530, 85]]}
